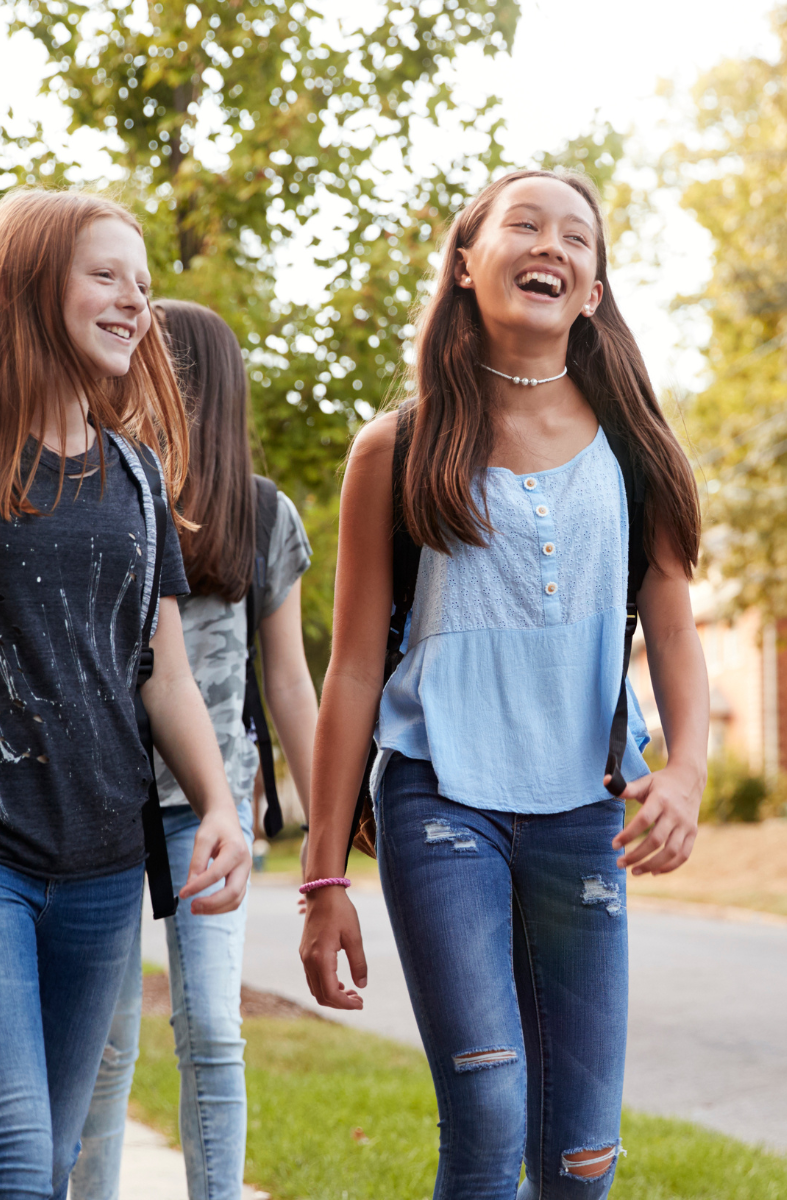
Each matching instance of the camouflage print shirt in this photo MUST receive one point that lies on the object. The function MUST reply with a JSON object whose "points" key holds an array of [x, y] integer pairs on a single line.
{"points": [[215, 634]]}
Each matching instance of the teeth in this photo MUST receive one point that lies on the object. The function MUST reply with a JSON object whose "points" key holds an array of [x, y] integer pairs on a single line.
{"points": [[542, 277], [119, 330]]}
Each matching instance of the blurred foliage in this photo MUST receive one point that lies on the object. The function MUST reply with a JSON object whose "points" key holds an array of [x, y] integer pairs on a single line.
{"points": [[732, 172], [241, 128], [238, 125], [733, 792]]}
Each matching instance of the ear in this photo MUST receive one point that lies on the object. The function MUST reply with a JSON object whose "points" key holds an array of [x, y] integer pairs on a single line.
{"points": [[462, 271], [593, 300]]}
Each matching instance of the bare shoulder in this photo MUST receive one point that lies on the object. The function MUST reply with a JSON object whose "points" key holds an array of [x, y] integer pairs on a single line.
{"points": [[375, 441]]}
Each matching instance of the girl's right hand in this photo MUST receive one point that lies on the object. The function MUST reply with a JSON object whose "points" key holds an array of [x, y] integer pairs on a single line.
{"points": [[332, 925]]}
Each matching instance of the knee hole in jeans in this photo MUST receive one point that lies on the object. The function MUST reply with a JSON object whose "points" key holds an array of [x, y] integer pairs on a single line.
{"points": [[589, 1164], [476, 1060]]}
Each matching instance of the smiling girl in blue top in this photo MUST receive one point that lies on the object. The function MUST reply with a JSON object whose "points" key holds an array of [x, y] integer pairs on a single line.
{"points": [[502, 852]]}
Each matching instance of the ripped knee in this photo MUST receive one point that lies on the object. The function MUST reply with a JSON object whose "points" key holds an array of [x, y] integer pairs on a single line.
{"points": [[590, 1164], [477, 1060]]}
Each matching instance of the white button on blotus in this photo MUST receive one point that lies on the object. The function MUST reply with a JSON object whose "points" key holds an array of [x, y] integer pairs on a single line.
{"points": [[550, 589], [548, 548], [542, 510], [531, 483]]}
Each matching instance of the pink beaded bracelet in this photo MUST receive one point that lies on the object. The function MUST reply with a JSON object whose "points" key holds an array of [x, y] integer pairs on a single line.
{"points": [[321, 883]]}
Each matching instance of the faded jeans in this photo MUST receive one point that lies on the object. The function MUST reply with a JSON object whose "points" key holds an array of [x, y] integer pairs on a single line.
{"points": [[64, 945], [205, 961], [512, 934]]}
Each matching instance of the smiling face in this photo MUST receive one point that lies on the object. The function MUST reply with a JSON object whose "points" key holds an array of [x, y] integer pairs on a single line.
{"points": [[106, 309], [533, 263]]}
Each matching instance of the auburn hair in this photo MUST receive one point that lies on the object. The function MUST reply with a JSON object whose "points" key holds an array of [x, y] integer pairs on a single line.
{"points": [[218, 494], [453, 425], [39, 363]]}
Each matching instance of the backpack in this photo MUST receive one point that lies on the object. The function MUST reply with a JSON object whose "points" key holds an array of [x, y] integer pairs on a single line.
{"points": [[141, 465], [406, 558], [265, 511]]}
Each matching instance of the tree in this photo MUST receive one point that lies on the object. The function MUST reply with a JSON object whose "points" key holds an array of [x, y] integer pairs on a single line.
{"points": [[235, 127], [732, 172]]}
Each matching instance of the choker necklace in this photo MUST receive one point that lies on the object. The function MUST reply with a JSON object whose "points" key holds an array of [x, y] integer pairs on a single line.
{"points": [[523, 382]]}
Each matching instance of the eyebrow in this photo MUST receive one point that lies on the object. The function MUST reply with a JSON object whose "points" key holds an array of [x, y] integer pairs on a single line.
{"points": [[536, 208]]}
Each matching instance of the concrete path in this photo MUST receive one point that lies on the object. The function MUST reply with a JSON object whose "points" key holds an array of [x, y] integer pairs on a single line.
{"points": [[152, 1171], [708, 1011]]}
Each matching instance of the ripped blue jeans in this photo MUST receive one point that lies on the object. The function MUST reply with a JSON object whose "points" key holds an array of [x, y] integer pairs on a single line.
{"points": [[512, 934]]}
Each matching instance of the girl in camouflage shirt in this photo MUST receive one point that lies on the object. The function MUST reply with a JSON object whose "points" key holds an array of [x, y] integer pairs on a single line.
{"points": [[205, 953]]}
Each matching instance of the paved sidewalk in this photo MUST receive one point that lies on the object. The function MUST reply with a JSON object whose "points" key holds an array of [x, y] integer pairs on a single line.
{"points": [[152, 1171]]}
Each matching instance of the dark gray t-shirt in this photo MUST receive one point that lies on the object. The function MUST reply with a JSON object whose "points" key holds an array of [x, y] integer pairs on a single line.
{"points": [[73, 773]]}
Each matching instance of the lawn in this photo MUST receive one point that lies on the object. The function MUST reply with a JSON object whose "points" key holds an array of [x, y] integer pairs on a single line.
{"points": [[283, 858], [339, 1115]]}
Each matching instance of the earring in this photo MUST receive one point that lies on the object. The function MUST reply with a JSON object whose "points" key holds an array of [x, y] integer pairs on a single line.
{"points": [[588, 310], [468, 279]]}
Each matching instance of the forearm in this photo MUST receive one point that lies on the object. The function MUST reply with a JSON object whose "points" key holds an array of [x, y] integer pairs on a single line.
{"points": [[680, 685], [293, 707], [344, 733], [185, 739]]}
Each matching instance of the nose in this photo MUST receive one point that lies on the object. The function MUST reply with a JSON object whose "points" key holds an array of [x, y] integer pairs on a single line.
{"points": [[549, 245], [131, 298]]}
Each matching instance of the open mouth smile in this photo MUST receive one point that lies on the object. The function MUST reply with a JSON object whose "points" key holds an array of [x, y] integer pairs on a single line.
{"points": [[118, 331], [540, 283]]}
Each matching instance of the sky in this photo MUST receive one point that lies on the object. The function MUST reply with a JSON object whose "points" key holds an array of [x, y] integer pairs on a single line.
{"points": [[571, 59]]}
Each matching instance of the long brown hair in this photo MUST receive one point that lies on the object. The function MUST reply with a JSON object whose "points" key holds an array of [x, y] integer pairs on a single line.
{"points": [[39, 363], [218, 494], [453, 432]]}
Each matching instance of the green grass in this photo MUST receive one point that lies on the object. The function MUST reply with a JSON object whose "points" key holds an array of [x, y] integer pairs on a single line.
{"points": [[284, 858], [339, 1115]]}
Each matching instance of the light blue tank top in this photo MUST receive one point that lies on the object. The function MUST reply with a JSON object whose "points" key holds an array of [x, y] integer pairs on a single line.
{"points": [[515, 650]]}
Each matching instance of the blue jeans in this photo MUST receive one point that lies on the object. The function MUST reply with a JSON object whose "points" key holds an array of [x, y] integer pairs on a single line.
{"points": [[64, 946], [205, 961], [512, 934]]}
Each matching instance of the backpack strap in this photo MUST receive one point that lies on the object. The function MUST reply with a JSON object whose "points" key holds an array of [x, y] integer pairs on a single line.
{"points": [[406, 558], [406, 555], [153, 500], [634, 483], [265, 511]]}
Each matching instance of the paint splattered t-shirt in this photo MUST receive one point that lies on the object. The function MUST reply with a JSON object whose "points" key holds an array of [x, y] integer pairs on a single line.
{"points": [[73, 773]]}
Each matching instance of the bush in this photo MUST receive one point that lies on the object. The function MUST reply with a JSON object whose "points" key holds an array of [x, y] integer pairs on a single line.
{"points": [[732, 793]]}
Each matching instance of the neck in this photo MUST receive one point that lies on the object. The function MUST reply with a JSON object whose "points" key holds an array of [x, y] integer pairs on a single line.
{"points": [[525, 353], [75, 437]]}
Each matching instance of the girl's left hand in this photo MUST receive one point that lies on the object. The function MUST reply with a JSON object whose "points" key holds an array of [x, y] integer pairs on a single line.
{"points": [[220, 839], [670, 802]]}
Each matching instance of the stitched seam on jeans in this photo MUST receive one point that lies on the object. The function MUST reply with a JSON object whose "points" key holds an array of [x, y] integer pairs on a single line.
{"points": [[516, 999], [49, 899], [540, 1043], [514, 844], [192, 1065], [383, 850]]}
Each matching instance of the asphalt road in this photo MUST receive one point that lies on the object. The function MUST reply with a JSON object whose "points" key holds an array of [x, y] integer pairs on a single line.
{"points": [[707, 1018]]}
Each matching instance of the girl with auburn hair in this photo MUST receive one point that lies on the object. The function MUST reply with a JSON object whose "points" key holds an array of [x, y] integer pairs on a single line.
{"points": [[506, 730], [219, 497], [87, 397]]}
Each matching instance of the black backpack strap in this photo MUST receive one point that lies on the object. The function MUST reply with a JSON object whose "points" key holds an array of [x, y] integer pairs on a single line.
{"points": [[406, 555], [634, 482], [406, 559], [162, 896], [266, 508]]}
